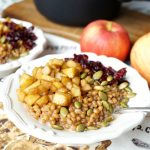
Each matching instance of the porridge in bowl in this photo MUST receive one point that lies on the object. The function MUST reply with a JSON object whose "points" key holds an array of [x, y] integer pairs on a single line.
{"points": [[74, 94]]}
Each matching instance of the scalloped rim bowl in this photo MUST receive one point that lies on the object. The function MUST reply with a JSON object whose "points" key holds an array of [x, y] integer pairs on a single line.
{"points": [[124, 122], [9, 67]]}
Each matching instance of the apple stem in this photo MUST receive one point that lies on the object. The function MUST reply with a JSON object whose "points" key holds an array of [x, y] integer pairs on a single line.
{"points": [[109, 26]]}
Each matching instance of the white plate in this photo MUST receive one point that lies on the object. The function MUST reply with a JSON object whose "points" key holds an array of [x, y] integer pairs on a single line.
{"points": [[124, 122], [11, 66]]}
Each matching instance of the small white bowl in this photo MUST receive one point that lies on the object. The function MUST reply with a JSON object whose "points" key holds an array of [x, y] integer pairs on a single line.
{"points": [[11, 66], [20, 116]]}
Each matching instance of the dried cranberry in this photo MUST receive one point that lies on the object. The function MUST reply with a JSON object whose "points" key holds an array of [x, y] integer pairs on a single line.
{"points": [[17, 32], [94, 66]]}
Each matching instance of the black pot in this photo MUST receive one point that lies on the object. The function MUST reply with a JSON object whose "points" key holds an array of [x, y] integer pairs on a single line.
{"points": [[78, 12]]}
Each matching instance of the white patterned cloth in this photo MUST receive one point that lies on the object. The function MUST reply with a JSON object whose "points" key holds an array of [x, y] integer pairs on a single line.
{"points": [[6, 3]]}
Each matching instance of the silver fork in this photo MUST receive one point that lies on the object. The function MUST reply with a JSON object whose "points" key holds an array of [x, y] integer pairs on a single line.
{"points": [[132, 109]]}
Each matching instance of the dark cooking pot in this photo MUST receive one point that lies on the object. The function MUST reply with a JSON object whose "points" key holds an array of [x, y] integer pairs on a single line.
{"points": [[78, 12]]}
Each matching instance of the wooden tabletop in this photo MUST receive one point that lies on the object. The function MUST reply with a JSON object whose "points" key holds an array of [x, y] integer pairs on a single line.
{"points": [[136, 23]]}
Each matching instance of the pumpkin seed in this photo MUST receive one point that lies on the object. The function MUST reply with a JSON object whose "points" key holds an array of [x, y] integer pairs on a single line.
{"points": [[77, 104], [128, 89], [123, 105], [90, 81], [109, 78], [104, 124], [89, 112], [107, 106], [80, 128], [131, 95], [104, 83], [97, 75], [123, 85], [2, 39], [97, 83], [125, 100], [99, 87], [63, 111], [92, 128], [109, 119], [83, 75], [57, 127], [103, 95]]}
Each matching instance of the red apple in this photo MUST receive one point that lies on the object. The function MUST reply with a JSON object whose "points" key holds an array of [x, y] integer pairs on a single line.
{"points": [[106, 38]]}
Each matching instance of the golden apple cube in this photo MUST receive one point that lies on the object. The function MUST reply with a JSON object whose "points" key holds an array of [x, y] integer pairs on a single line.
{"points": [[65, 80], [53, 88], [31, 99], [34, 71], [83, 82], [42, 100], [26, 80], [62, 99], [37, 72], [69, 85], [64, 66], [71, 64], [59, 75], [75, 91], [58, 84], [86, 87], [63, 90], [21, 95], [46, 84], [46, 77], [56, 62], [33, 88], [46, 70], [76, 80], [70, 72]]}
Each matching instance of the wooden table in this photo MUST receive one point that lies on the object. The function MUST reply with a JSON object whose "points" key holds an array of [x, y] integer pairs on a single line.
{"points": [[136, 23]]}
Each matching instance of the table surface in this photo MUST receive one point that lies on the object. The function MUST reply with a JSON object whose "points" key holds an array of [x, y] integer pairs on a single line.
{"points": [[136, 28], [135, 22]]}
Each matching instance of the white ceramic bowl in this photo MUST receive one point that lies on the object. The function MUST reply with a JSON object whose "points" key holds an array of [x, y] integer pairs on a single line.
{"points": [[11, 66], [124, 122]]}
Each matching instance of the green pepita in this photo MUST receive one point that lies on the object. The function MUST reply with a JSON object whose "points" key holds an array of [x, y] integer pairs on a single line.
{"points": [[109, 78], [109, 119], [123, 85], [104, 83], [103, 96], [125, 100], [2, 39], [63, 111], [57, 127], [104, 124], [83, 75], [107, 106], [90, 81], [80, 128], [123, 105], [77, 104], [99, 87], [128, 89], [89, 112], [97, 75], [131, 95], [97, 83]]}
